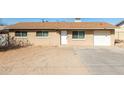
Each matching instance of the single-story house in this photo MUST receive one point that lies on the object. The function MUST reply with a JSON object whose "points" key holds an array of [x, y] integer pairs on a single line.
{"points": [[119, 31], [64, 33]]}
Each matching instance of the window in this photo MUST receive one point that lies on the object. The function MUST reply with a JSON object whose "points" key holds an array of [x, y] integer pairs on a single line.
{"points": [[42, 33], [78, 34], [21, 34]]}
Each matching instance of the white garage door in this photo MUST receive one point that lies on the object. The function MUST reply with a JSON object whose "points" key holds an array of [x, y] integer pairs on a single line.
{"points": [[102, 38]]}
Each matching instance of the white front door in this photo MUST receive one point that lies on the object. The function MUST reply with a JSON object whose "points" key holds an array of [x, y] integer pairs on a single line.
{"points": [[63, 37], [102, 38]]}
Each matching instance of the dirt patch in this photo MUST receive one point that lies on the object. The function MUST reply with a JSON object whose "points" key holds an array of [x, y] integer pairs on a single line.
{"points": [[41, 60], [119, 43]]}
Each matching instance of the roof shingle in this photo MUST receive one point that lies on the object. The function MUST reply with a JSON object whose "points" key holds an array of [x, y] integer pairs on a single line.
{"points": [[61, 25]]}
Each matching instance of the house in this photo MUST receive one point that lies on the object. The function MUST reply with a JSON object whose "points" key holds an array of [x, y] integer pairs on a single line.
{"points": [[64, 33], [119, 31]]}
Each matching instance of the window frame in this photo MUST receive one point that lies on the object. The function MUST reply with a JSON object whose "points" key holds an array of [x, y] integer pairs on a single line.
{"points": [[42, 34], [21, 34], [78, 36]]}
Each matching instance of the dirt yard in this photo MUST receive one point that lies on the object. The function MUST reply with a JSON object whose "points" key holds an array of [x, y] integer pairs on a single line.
{"points": [[41, 60], [119, 43]]}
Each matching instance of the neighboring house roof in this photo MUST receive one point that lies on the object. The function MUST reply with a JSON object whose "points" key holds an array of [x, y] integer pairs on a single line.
{"points": [[62, 25], [2, 29], [120, 23]]}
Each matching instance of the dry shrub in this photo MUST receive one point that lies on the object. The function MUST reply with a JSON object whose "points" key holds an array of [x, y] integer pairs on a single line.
{"points": [[119, 43], [14, 43]]}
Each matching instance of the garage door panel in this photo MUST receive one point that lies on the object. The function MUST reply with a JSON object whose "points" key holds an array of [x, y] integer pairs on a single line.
{"points": [[102, 38]]}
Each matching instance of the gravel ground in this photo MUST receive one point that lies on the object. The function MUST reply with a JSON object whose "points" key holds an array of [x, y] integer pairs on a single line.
{"points": [[41, 60]]}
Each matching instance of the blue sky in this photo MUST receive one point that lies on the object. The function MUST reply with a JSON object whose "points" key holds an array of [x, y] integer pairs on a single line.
{"points": [[9, 21]]}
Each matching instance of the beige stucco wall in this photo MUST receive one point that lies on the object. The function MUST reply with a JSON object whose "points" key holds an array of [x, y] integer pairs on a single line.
{"points": [[87, 41], [53, 38], [119, 33], [89, 38], [112, 37]]}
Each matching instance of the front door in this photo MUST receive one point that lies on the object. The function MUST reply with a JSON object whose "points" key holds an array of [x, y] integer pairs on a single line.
{"points": [[63, 37]]}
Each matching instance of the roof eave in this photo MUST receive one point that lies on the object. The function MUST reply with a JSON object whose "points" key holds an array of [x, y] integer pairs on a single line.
{"points": [[88, 28], [61, 28]]}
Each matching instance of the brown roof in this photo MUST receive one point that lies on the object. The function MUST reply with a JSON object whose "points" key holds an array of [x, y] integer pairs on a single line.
{"points": [[3, 30], [62, 25], [2, 27]]}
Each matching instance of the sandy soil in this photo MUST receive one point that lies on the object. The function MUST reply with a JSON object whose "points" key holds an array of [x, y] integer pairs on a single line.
{"points": [[121, 45], [41, 60]]}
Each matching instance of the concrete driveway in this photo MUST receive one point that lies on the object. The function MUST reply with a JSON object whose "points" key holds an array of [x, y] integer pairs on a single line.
{"points": [[63, 61], [102, 61]]}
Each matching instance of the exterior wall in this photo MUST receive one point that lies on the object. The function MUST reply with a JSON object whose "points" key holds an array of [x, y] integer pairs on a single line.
{"points": [[89, 38], [87, 41], [53, 38], [119, 33], [112, 37]]}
